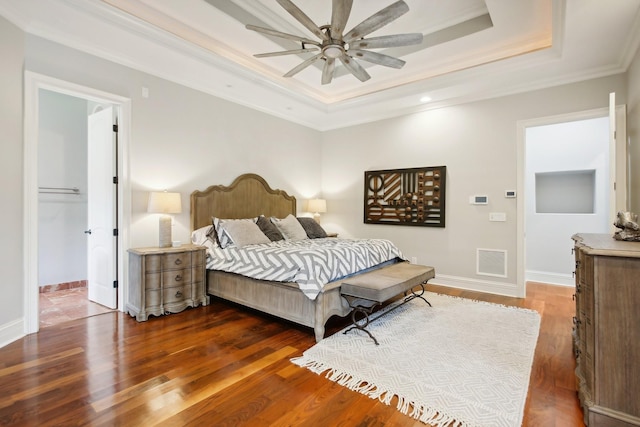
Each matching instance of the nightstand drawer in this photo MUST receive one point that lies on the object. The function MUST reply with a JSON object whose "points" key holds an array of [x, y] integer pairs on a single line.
{"points": [[176, 278], [152, 263], [152, 298], [177, 260], [177, 294], [198, 258]]}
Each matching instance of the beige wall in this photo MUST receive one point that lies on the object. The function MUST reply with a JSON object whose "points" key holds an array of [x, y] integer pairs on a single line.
{"points": [[478, 144], [633, 133], [11, 257]]}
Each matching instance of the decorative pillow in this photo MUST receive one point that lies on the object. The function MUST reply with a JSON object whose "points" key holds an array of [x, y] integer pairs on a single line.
{"points": [[204, 236], [312, 228], [243, 233], [290, 228], [222, 237], [269, 230]]}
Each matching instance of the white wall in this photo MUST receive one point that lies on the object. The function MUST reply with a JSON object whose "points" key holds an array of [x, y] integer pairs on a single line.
{"points": [[184, 140], [633, 133], [62, 162], [572, 146], [11, 179], [477, 142]]}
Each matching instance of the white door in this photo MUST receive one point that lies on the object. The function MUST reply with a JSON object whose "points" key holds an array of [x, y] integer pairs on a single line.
{"points": [[618, 169], [101, 193]]}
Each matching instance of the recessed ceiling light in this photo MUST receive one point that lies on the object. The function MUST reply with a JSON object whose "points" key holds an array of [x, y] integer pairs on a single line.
{"points": [[425, 99]]}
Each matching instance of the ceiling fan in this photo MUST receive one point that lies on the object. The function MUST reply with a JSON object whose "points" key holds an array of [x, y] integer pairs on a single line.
{"points": [[334, 44]]}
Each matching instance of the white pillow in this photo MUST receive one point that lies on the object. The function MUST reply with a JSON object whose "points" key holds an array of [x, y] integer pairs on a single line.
{"points": [[243, 233], [204, 237], [290, 228]]}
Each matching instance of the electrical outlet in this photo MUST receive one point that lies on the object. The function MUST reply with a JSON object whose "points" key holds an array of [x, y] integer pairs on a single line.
{"points": [[414, 260]]}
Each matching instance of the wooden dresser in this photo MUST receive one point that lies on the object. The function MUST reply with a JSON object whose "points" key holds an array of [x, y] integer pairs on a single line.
{"points": [[607, 329], [166, 280]]}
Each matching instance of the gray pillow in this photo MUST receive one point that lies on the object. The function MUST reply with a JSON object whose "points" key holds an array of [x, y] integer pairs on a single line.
{"points": [[269, 230], [290, 228], [223, 239], [243, 233], [312, 228]]}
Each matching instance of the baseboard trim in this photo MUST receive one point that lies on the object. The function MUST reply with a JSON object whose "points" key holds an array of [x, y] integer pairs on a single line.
{"points": [[12, 331], [491, 287], [63, 286], [551, 278]]}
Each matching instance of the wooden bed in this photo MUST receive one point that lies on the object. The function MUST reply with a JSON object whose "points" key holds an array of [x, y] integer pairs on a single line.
{"points": [[247, 197]]}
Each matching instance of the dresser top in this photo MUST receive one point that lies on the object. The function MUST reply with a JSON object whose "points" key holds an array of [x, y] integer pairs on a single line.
{"points": [[606, 245], [157, 250]]}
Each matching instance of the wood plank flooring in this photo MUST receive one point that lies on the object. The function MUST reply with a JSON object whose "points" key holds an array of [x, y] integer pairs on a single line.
{"points": [[224, 365]]}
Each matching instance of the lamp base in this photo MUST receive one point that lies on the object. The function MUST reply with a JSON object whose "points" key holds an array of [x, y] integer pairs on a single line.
{"points": [[164, 237], [316, 216]]}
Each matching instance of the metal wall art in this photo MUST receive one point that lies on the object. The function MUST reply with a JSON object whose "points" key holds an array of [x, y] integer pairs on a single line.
{"points": [[413, 196]]}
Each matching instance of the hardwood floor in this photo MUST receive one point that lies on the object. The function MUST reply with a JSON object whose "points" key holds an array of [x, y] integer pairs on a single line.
{"points": [[227, 366]]}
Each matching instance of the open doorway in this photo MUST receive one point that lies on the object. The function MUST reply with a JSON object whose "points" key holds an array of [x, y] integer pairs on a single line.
{"points": [[601, 174], [57, 192], [67, 137]]}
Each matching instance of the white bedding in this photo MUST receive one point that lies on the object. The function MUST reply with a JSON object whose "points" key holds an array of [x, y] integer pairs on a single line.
{"points": [[311, 263]]}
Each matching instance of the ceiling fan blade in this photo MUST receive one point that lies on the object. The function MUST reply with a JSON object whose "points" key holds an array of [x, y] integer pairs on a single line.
{"points": [[303, 65], [302, 18], [377, 20], [275, 33], [327, 71], [355, 68], [377, 58], [284, 52], [394, 40], [340, 12]]}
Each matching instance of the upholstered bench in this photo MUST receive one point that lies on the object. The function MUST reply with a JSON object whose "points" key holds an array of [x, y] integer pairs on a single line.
{"points": [[366, 291]]}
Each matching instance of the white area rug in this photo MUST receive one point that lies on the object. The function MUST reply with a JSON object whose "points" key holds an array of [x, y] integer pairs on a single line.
{"points": [[459, 363]]}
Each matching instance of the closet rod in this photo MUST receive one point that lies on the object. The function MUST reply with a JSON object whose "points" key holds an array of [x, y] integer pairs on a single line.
{"points": [[59, 190]]}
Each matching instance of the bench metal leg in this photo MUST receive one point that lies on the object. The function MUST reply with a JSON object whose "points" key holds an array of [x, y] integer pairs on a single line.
{"points": [[366, 311]]}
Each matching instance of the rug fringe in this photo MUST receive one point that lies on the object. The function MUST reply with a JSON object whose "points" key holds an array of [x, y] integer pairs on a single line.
{"points": [[423, 413]]}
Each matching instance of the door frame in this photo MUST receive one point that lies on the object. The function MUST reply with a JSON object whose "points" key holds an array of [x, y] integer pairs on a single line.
{"points": [[620, 162], [33, 82]]}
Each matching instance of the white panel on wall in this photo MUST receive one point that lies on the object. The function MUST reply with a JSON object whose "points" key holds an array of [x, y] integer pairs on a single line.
{"points": [[491, 262]]}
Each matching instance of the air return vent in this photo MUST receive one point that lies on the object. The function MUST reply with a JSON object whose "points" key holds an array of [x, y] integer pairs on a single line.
{"points": [[491, 262]]}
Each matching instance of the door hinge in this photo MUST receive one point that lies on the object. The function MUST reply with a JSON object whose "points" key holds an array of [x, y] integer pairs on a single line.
{"points": [[115, 128], [115, 231], [115, 284], [115, 179]]}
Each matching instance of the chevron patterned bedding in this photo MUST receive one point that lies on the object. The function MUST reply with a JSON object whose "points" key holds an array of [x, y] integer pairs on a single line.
{"points": [[311, 263]]}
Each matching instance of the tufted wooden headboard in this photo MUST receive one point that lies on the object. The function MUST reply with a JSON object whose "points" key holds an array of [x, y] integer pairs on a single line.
{"points": [[248, 196]]}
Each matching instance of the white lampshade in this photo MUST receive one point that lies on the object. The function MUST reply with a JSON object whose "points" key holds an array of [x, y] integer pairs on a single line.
{"points": [[317, 206], [164, 203]]}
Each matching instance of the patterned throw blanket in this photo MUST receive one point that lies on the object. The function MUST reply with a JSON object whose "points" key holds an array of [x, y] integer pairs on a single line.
{"points": [[310, 263]]}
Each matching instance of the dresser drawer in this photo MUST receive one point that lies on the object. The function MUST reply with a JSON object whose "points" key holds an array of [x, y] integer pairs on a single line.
{"points": [[152, 263], [152, 297], [177, 294], [177, 260], [198, 258], [174, 278]]}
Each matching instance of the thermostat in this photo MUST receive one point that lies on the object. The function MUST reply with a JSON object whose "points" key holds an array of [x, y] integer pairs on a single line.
{"points": [[479, 200], [510, 194]]}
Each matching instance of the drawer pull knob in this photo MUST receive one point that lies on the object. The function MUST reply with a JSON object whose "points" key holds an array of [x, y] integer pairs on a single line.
{"points": [[179, 294], [178, 261], [178, 278]]}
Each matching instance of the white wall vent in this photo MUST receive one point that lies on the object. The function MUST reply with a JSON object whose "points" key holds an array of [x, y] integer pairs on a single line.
{"points": [[491, 262]]}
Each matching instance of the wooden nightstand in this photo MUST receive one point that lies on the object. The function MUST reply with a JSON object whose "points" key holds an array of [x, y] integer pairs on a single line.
{"points": [[166, 280], [332, 234]]}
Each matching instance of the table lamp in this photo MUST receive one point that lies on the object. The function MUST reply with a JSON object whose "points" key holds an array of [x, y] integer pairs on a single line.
{"points": [[164, 203], [317, 206]]}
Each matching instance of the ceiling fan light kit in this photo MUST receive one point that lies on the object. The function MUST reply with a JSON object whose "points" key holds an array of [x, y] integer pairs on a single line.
{"points": [[334, 45]]}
